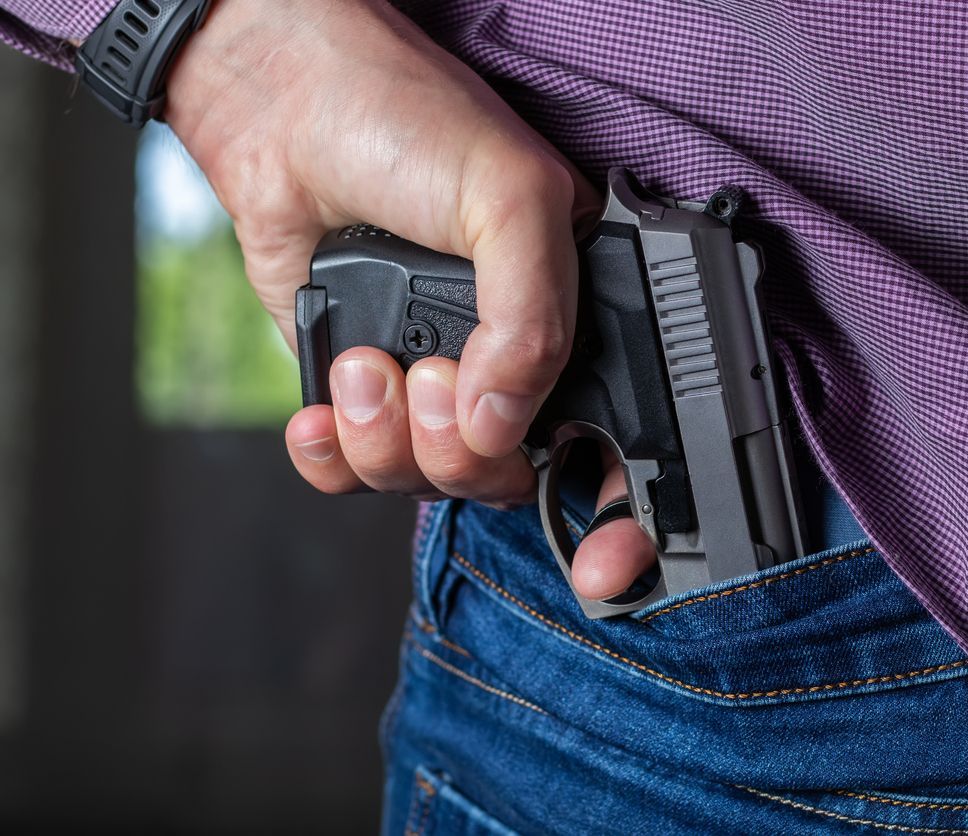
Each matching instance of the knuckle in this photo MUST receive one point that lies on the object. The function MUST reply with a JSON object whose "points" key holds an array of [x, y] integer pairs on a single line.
{"points": [[378, 469], [387, 469], [455, 478], [543, 347], [540, 177], [482, 481], [530, 181], [556, 184]]}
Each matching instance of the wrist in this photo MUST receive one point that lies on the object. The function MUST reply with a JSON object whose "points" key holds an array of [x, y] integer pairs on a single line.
{"points": [[126, 60], [201, 72]]}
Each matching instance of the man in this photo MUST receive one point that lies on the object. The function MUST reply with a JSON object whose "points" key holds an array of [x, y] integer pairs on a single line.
{"points": [[315, 114]]}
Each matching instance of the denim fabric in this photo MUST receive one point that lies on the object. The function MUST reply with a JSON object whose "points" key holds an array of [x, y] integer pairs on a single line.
{"points": [[814, 697], [836, 524]]}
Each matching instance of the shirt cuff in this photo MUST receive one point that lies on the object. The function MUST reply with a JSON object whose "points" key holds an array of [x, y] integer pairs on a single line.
{"points": [[45, 30]]}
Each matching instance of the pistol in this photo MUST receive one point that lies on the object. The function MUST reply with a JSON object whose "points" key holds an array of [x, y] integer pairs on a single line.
{"points": [[671, 368]]}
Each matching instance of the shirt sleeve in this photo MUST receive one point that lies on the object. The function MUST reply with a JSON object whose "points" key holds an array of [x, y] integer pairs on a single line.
{"points": [[45, 29]]}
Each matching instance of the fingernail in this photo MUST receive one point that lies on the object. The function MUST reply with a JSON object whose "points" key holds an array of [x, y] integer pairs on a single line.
{"points": [[360, 390], [320, 450], [432, 398], [500, 420]]}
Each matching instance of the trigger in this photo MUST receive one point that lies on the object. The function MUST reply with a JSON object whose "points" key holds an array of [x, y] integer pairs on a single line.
{"points": [[614, 510]]}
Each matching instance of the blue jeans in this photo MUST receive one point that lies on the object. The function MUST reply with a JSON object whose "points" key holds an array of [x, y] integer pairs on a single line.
{"points": [[814, 697]]}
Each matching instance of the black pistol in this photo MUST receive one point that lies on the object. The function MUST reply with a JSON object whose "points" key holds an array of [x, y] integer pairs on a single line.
{"points": [[671, 368]]}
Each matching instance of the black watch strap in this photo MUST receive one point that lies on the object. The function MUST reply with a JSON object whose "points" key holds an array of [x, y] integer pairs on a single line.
{"points": [[127, 58]]}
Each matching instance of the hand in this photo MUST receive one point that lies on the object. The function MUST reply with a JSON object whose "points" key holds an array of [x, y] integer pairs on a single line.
{"points": [[313, 114]]}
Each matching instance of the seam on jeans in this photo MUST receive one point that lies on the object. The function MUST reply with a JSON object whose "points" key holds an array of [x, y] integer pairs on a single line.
{"points": [[777, 692], [430, 630], [921, 805], [473, 680], [757, 584], [820, 564], [422, 559], [429, 792], [412, 814], [848, 819], [420, 535], [426, 786], [416, 563]]}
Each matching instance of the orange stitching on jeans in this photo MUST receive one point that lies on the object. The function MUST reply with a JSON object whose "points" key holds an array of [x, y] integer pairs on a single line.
{"points": [[455, 647], [430, 792], [766, 581], [426, 786], [778, 692], [424, 816], [431, 630], [921, 805], [409, 831], [473, 680], [848, 819]]}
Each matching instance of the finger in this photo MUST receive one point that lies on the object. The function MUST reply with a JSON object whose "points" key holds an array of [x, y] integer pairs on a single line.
{"points": [[526, 268], [609, 559], [313, 446], [370, 401], [443, 456], [278, 235]]}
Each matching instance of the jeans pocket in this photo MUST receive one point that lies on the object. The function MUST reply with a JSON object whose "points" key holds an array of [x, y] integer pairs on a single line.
{"points": [[436, 807], [827, 625], [923, 810], [430, 562]]}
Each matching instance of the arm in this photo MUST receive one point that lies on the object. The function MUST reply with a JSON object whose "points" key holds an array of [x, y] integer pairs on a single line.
{"points": [[310, 115]]}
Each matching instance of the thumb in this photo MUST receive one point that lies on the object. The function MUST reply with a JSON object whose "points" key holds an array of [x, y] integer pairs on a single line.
{"points": [[523, 246]]}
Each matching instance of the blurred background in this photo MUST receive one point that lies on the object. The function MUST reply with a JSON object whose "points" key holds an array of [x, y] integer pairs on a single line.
{"points": [[191, 639]]}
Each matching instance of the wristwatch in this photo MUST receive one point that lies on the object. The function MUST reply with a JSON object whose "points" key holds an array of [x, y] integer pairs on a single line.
{"points": [[127, 58]]}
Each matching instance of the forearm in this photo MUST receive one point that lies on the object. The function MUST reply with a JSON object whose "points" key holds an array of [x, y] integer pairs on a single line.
{"points": [[47, 30]]}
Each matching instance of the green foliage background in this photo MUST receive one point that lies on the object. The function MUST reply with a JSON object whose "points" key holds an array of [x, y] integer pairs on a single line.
{"points": [[207, 352]]}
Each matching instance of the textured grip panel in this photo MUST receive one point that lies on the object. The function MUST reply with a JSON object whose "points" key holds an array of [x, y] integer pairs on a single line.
{"points": [[461, 294], [452, 331]]}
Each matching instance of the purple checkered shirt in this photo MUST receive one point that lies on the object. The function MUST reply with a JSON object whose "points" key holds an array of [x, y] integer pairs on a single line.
{"points": [[44, 28], [846, 124]]}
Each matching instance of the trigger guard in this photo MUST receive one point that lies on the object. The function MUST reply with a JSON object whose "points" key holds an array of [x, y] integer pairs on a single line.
{"points": [[548, 463]]}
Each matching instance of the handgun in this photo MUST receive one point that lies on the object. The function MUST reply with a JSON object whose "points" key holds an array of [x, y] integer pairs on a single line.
{"points": [[670, 368]]}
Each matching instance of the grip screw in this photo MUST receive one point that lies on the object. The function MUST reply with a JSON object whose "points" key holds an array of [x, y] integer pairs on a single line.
{"points": [[725, 203], [419, 340]]}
